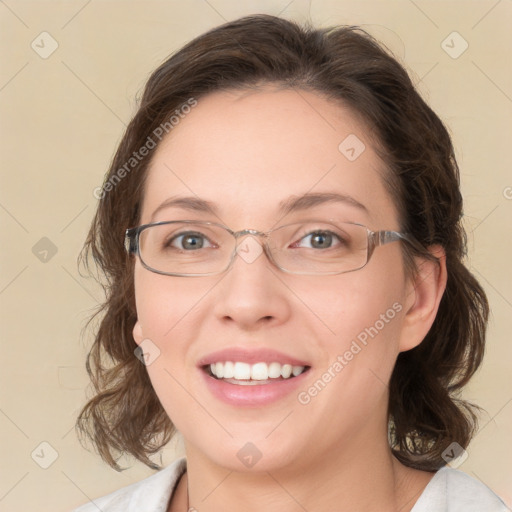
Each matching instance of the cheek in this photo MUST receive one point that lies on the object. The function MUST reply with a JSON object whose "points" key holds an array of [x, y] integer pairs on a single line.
{"points": [[358, 324], [359, 312], [170, 312], [165, 304]]}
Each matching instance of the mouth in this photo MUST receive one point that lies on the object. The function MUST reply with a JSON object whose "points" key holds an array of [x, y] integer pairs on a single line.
{"points": [[260, 373]]}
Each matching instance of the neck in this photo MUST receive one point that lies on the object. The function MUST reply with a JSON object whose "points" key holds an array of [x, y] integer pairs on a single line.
{"points": [[359, 476]]}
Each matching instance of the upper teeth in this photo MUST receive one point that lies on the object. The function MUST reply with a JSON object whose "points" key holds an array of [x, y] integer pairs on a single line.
{"points": [[258, 371]]}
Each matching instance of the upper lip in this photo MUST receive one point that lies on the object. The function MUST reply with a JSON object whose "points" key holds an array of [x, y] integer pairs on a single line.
{"points": [[250, 356]]}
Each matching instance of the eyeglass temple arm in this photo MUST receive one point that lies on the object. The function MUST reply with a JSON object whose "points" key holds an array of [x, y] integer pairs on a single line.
{"points": [[130, 241], [386, 237]]}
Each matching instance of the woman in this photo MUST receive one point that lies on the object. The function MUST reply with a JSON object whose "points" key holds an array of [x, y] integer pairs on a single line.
{"points": [[280, 233]]}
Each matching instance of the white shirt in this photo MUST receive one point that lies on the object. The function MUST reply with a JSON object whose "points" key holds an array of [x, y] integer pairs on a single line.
{"points": [[450, 490]]}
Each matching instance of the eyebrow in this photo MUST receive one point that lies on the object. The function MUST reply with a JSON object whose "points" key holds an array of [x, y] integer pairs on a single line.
{"points": [[309, 200], [193, 204], [292, 204]]}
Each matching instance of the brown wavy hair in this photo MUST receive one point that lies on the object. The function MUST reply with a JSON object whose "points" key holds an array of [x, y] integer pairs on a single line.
{"points": [[346, 65]]}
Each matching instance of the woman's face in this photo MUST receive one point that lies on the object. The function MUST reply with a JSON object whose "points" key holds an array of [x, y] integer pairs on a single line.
{"points": [[247, 154]]}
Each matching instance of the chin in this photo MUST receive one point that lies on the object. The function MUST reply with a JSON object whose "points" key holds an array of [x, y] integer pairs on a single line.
{"points": [[243, 455]]}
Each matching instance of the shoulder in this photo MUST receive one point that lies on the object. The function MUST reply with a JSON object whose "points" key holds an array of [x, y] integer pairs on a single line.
{"points": [[151, 494], [451, 490]]}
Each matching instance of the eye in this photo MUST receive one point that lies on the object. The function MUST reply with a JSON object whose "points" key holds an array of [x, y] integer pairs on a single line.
{"points": [[319, 240], [189, 241]]}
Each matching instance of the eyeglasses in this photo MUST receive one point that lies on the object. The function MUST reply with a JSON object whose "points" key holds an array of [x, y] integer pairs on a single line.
{"points": [[313, 247]]}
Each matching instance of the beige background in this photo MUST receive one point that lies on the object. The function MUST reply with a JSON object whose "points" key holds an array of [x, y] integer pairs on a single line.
{"points": [[61, 119]]}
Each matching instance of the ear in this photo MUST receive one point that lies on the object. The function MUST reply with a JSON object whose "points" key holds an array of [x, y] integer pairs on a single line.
{"points": [[424, 292], [137, 333]]}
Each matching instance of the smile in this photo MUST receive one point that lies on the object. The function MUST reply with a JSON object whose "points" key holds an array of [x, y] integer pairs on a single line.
{"points": [[253, 374]]}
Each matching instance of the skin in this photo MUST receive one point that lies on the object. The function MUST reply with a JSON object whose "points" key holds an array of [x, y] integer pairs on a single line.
{"points": [[246, 152]]}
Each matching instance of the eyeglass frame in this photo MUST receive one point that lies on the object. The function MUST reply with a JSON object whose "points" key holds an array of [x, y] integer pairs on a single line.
{"points": [[374, 239]]}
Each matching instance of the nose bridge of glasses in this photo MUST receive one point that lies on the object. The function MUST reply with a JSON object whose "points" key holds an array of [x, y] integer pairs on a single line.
{"points": [[247, 247], [245, 232]]}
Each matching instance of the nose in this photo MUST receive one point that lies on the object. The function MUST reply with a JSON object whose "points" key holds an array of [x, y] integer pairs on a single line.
{"points": [[252, 295]]}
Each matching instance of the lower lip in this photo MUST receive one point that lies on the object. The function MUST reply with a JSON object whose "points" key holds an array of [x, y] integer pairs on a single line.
{"points": [[253, 395]]}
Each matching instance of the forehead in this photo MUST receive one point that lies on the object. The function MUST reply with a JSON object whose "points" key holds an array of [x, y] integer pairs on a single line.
{"points": [[250, 151]]}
